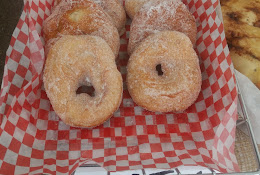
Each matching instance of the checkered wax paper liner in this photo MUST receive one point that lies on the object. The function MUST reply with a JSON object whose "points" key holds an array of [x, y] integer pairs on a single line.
{"points": [[34, 140]]}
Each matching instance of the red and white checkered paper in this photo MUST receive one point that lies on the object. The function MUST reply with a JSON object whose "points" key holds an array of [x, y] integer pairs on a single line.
{"points": [[34, 140]]}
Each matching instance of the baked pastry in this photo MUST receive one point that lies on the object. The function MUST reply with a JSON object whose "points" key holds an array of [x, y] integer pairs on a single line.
{"points": [[133, 6], [113, 8], [163, 73], [74, 66], [81, 18], [242, 28], [160, 15]]}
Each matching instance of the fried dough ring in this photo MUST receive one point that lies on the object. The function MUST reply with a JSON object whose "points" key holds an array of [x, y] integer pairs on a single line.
{"points": [[163, 73], [80, 18], [160, 15], [113, 8], [76, 61]]}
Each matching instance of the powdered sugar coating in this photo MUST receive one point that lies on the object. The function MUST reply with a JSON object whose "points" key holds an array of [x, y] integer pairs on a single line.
{"points": [[113, 8], [74, 61], [133, 6], [180, 84], [50, 43], [79, 18], [160, 15]]}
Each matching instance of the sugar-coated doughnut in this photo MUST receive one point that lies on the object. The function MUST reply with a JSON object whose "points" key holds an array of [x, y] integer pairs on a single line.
{"points": [[133, 6], [121, 2], [159, 15], [80, 18], [49, 44], [163, 73], [116, 11], [75, 62], [113, 8]]}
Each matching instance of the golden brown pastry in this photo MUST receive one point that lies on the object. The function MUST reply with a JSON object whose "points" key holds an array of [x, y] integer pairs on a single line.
{"points": [[74, 64], [133, 6], [113, 8], [163, 73], [81, 18], [160, 15], [242, 28]]}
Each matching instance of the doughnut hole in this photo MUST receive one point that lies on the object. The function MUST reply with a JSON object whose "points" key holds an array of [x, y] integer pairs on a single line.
{"points": [[159, 70], [85, 86], [90, 90]]}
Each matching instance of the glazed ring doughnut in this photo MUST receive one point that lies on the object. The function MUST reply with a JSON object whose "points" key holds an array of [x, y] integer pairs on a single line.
{"points": [[159, 15], [113, 8], [79, 18], [76, 62], [169, 78], [133, 6]]}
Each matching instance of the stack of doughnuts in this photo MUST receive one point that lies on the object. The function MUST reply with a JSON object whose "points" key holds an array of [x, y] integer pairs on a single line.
{"points": [[163, 73], [160, 15], [81, 17], [80, 76], [113, 8], [82, 43]]}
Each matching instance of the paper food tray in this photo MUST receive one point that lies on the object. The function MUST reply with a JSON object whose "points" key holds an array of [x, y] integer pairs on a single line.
{"points": [[34, 140]]}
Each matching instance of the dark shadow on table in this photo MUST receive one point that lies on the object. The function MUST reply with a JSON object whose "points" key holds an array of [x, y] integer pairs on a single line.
{"points": [[10, 11]]}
